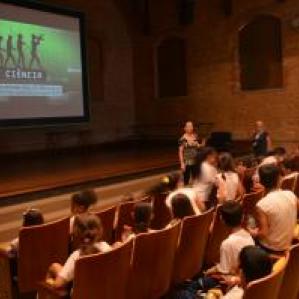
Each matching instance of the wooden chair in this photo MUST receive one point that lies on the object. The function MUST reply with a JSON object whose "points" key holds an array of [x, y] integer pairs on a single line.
{"points": [[267, 287], [103, 275], [39, 247], [249, 202], [107, 217], [219, 232], [192, 244], [289, 182], [152, 263], [290, 285], [162, 214]]}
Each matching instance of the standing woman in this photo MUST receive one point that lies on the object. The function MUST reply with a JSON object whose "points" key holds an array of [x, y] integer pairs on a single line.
{"points": [[188, 152]]}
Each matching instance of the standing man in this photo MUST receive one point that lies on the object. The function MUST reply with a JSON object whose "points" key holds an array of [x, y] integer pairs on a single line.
{"points": [[35, 43], [9, 51], [20, 48], [261, 142], [1, 54]]}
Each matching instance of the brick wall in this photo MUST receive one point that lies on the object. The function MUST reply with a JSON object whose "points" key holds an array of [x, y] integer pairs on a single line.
{"points": [[213, 74]]}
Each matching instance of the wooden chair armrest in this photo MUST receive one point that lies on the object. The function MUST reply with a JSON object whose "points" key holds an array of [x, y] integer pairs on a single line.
{"points": [[46, 291]]}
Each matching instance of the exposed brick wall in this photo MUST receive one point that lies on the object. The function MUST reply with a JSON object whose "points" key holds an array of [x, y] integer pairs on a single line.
{"points": [[112, 93], [213, 74]]}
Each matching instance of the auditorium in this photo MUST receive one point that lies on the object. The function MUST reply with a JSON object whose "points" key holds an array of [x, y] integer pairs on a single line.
{"points": [[149, 149]]}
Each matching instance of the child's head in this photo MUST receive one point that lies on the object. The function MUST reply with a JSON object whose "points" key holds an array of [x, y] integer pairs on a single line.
{"points": [[269, 176], [142, 215], [209, 155], [88, 230], [33, 217], [280, 153], [255, 263], [232, 213], [181, 207], [82, 201], [226, 162]]}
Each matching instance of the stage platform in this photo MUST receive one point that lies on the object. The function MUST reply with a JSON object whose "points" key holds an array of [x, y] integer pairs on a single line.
{"points": [[25, 175]]}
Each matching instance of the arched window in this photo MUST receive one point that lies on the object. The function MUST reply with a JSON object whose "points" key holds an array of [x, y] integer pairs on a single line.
{"points": [[260, 46], [171, 68]]}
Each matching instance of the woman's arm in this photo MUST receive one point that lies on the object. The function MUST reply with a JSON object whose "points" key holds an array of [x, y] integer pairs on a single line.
{"points": [[181, 157]]}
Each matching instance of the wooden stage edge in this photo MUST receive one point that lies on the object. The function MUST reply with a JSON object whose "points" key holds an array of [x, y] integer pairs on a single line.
{"points": [[32, 176]]}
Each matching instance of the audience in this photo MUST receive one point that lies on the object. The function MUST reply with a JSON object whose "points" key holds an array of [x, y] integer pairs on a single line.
{"points": [[228, 181], [255, 264], [89, 231], [276, 213], [207, 164], [232, 216], [180, 207], [142, 216], [31, 217], [81, 203]]}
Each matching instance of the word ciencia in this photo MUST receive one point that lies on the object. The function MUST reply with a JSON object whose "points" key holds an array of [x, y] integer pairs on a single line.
{"points": [[18, 74]]}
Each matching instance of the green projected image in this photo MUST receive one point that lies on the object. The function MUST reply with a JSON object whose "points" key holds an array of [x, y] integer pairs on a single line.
{"points": [[34, 54]]}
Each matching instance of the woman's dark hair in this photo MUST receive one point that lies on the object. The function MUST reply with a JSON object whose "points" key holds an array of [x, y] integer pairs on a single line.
{"points": [[269, 176], [181, 206], [33, 217], [143, 212], [226, 162], [85, 198], [255, 263], [88, 230], [232, 213]]}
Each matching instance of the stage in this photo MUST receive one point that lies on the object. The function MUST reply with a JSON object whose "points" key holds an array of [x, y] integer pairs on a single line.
{"points": [[28, 174]]}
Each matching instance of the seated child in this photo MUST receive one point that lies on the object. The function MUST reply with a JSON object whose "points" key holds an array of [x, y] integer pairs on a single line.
{"points": [[88, 230], [232, 216], [255, 264], [180, 208], [30, 218], [142, 216], [81, 203]]}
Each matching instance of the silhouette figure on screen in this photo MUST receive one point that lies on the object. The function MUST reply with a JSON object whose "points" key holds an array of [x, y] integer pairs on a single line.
{"points": [[1, 52], [20, 49], [35, 43], [9, 52]]}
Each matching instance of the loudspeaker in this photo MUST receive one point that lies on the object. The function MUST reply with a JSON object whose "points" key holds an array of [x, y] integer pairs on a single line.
{"points": [[186, 11], [221, 141]]}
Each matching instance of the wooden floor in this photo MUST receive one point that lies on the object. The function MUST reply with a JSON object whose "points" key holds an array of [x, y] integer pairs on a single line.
{"points": [[26, 174]]}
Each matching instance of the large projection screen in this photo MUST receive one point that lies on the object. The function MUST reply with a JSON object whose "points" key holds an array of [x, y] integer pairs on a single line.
{"points": [[43, 78]]}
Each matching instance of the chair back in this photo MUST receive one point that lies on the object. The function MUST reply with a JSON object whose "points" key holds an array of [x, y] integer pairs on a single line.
{"points": [[267, 287], [192, 244], [162, 214], [289, 182], [152, 263], [290, 285], [39, 247], [107, 217], [103, 275], [218, 232], [124, 217], [249, 202]]}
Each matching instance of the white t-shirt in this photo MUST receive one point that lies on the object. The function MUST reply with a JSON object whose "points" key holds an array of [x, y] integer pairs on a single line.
{"points": [[190, 193], [235, 293], [207, 179], [281, 209], [68, 271], [230, 250], [230, 184]]}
